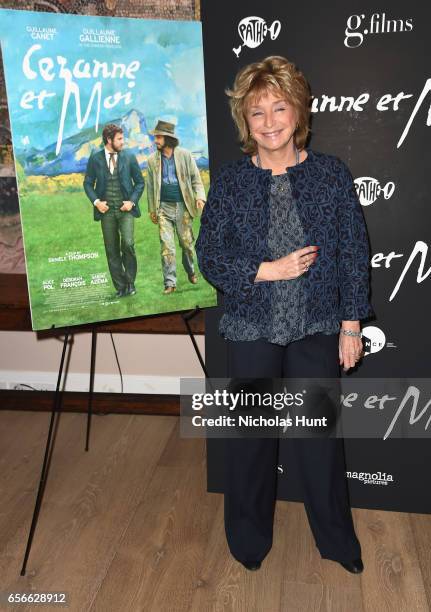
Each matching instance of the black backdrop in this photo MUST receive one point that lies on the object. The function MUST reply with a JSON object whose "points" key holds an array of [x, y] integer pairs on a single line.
{"points": [[344, 50]]}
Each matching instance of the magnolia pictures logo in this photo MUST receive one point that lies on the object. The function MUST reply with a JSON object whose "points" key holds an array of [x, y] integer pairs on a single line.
{"points": [[369, 189], [359, 26], [254, 30], [375, 478]]}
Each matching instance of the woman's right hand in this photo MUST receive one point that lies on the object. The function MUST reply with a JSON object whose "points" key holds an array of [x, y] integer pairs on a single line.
{"points": [[288, 267]]}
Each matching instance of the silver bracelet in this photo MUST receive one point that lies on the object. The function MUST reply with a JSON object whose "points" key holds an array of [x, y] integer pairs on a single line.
{"points": [[348, 332]]}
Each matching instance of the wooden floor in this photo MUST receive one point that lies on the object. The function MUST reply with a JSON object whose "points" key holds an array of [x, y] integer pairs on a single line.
{"points": [[129, 527]]}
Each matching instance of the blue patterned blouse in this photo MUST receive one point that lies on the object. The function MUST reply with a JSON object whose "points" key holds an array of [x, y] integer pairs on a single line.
{"points": [[286, 319]]}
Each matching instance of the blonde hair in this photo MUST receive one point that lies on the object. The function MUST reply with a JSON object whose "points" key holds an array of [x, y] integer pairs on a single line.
{"points": [[277, 75]]}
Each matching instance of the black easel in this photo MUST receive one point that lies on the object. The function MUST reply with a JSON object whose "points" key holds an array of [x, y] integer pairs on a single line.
{"points": [[91, 386], [186, 318], [48, 452], [56, 408]]}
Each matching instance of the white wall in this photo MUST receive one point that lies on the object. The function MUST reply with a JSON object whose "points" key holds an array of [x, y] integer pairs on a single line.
{"points": [[151, 363]]}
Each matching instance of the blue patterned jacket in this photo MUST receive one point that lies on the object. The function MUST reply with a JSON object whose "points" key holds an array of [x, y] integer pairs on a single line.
{"points": [[234, 224]]}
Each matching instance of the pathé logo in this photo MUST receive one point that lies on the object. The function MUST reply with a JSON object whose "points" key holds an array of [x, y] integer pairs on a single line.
{"points": [[253, 31], [369, 189]]}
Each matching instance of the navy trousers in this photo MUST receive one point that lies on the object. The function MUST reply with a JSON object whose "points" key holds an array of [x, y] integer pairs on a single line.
{"points": [[251, 463]]}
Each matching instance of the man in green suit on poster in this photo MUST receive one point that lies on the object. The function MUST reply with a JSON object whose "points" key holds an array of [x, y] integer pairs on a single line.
{"points": [[114, 184]]}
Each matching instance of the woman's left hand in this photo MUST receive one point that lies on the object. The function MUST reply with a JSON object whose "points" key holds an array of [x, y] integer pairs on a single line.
{"points": [[350, 350]]}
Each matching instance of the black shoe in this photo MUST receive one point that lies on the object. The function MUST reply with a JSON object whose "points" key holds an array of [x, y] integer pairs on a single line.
{"points": [[131, 289], [121, 293], [252, 565], [355, 567]]}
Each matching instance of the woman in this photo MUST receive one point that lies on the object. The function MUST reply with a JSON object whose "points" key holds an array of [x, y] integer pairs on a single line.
{"points": [[284, 238]]}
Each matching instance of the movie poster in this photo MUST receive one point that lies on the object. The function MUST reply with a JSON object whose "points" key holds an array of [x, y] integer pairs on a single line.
{"points": [[109, 134]]}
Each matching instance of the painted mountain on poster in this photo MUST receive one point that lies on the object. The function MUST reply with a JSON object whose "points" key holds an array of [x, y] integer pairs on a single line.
{"points": [[76, 150]]}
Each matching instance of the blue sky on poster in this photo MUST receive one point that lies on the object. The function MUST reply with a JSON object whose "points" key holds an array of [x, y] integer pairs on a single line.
{"points": [[168, 84]]}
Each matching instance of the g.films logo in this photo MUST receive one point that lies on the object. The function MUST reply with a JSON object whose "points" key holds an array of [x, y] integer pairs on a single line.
{"points": [[359, 26], [254, 30]]}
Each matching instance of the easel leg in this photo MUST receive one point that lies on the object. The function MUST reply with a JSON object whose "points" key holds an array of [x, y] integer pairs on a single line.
{"points": [[48, 450], [186, 318], [91, 388]]}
